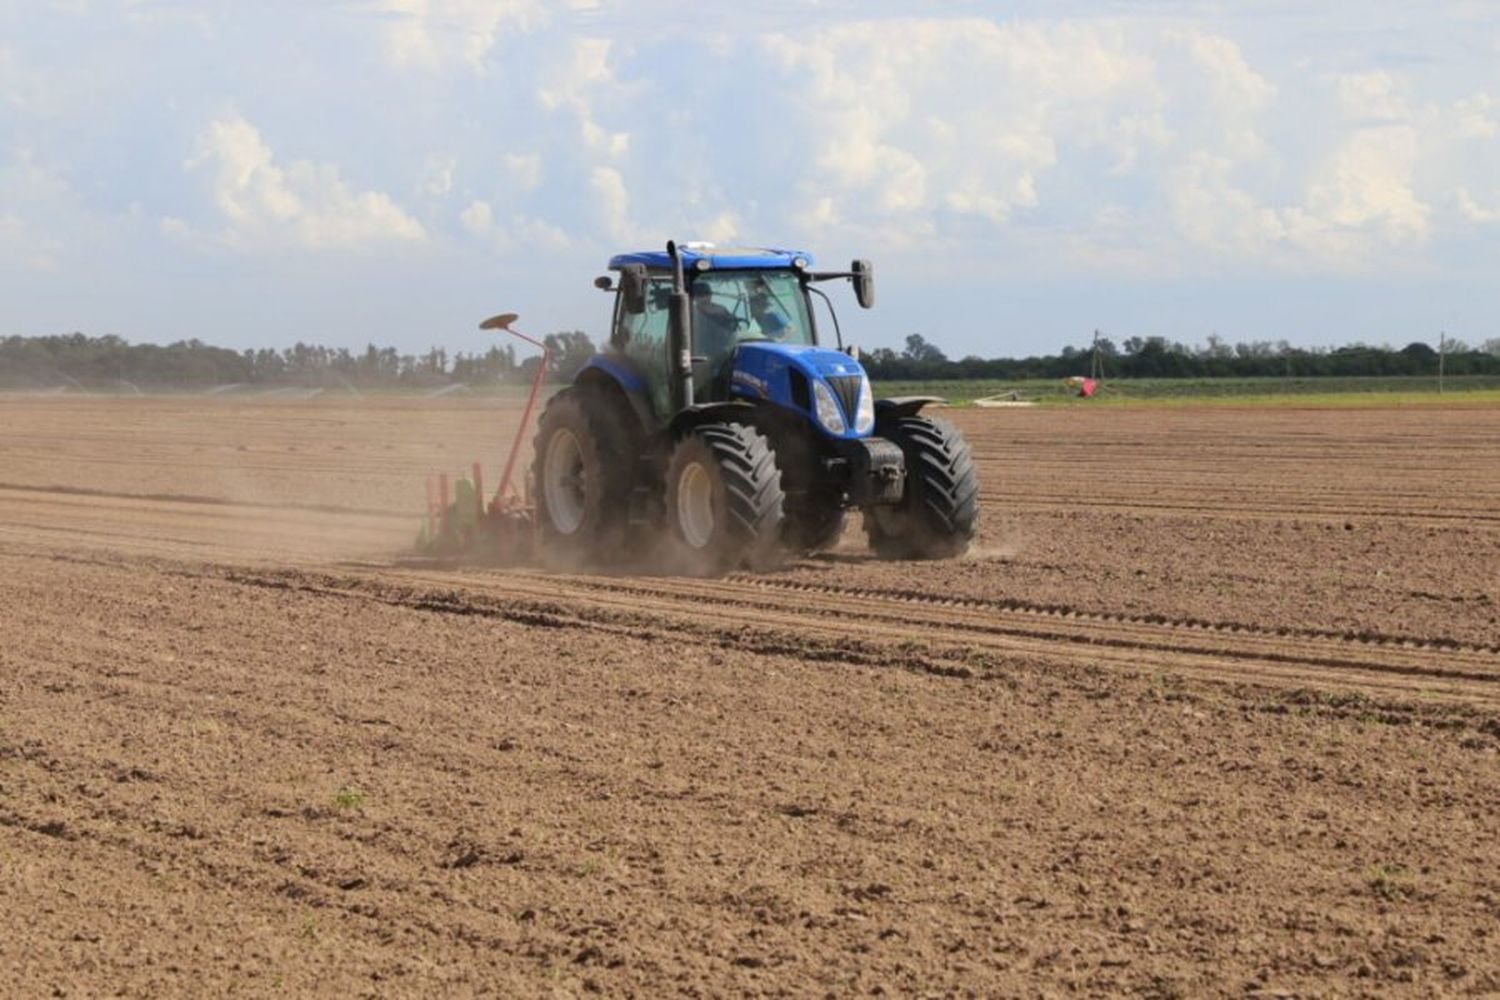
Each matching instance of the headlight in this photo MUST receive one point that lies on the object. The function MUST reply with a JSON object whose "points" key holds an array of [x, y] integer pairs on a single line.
{"points": [[864, 417], [828, 408]]}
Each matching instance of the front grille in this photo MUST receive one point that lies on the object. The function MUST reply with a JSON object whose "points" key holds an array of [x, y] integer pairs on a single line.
{"points": [[846, 388]]}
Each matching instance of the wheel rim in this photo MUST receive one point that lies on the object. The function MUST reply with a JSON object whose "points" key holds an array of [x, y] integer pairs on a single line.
{"points": [[563, 481], [695, 505]]}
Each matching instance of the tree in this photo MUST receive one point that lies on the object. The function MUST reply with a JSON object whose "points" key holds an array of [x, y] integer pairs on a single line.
{"points": [[1218, 348], [568, 352], [920, 351]]}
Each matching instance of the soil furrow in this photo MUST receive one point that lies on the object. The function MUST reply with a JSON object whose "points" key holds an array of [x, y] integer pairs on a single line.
{"points": [[958, 636]]}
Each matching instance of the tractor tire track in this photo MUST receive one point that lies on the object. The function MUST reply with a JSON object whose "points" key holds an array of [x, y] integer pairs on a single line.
{"points": [[1066, 611], [954, 637], [1215, 506]]}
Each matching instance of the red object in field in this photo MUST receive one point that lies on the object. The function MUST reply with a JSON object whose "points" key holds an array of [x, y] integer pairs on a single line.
{"points": [[503, 527], [503, 322], [1086, 386]]}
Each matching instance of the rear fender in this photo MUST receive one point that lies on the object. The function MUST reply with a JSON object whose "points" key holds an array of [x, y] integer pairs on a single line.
{"points": [[616, 375]]}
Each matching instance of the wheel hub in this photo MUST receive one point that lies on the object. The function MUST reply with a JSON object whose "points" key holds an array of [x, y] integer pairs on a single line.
{"points": [[563, 482], [695, 505]]}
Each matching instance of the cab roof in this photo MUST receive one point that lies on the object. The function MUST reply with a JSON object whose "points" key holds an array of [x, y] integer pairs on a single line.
{"points": [[717, 257]]}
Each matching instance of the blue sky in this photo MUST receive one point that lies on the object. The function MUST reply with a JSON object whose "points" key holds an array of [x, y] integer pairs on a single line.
{"points": [[254, 174]]}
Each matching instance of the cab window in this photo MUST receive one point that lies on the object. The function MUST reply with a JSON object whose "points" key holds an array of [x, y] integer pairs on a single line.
{"points": [[643, 339]]}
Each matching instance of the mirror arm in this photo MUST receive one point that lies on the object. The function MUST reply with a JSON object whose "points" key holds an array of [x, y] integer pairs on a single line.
{"points": [[837, 331]]}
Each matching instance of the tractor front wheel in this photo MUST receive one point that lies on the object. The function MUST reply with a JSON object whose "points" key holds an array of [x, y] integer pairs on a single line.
{"points": [[582, 474], [939, 513], [725, 504]]}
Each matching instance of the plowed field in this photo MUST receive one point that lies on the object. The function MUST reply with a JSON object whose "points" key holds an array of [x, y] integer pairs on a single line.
{"points": [[1213, 707]]}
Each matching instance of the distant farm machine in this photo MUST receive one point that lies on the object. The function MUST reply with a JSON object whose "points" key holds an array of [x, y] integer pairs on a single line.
{"points": [[716, 431]]}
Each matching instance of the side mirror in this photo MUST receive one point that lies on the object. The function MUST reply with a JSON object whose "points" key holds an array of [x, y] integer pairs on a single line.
{"points": [[864, 283], [633, 288], [604, 283]]}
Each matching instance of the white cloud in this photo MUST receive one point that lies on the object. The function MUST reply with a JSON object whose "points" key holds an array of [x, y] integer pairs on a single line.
{"points": [[723, 228], [1478, 117], [436, 34], [1236, 96], [573, 84], [174, 228], [533, 234], [1474, 211], [1357, 202], [39, 214], [913, 117], [613, 202], [10, 79], [437, 175], [1367, 183], [517, 233], [1233, 81], [303, 204], [587, 65], [919, 124], [21, 88], [1372, 97], [524, 170], [478, 218], [25, 247], [1212, 211]]}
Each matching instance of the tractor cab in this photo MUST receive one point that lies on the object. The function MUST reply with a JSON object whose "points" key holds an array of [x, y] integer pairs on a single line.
{"points": [[746, 314], [728, 307]]}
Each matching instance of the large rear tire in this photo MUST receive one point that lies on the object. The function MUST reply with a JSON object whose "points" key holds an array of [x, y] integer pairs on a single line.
{"points": [[725, 505], [939, 513], [583, 473]]}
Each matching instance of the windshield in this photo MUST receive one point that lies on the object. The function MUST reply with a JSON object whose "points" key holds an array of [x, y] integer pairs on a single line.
{"points": [[736, 306]]}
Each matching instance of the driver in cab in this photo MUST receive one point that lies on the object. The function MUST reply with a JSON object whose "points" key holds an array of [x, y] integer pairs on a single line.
{"points": [[715, 330]]}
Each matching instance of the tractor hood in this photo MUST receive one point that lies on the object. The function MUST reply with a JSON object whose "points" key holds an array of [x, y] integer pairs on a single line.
{"points": [[828, 387]]}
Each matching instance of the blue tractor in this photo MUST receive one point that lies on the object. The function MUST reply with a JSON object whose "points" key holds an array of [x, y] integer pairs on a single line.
{"points": [[715, 414]]}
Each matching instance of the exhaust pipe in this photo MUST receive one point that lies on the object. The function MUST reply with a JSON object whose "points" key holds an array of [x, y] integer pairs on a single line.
{"points": [[679, 334]]}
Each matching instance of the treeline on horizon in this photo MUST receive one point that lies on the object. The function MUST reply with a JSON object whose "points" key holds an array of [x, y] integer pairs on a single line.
{"points": [[98, 362], [1157, 357], [79, 360]]}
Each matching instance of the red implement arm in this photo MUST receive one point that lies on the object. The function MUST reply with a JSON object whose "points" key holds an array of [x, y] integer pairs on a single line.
{"points": [[503, 322]]}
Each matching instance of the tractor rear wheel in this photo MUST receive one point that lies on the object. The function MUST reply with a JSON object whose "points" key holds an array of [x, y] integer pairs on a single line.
{"points": [[937, 517], [583, 479], [725, 504]]}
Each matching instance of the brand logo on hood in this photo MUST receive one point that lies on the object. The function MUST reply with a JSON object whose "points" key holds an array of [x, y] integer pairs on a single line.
{"points": [[753, 382]]}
